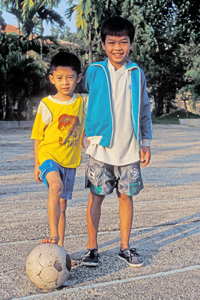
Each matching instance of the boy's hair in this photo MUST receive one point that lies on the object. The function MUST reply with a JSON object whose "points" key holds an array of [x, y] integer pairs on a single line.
{"points": [[117, 26], [65, 59]]}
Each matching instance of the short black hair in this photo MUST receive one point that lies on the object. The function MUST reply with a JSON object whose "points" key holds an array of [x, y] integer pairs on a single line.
{"points": [[65, 59], [117, 26]]}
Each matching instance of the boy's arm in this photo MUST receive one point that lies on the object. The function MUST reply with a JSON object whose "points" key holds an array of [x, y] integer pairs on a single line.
{"points": [[146, 125], [85, 104], [83, 140], [145, 115], [36, 171]]}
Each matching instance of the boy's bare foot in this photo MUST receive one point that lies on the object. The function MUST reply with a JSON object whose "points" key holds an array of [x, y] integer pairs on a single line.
{"points": [[51, 240], [55, 240]]}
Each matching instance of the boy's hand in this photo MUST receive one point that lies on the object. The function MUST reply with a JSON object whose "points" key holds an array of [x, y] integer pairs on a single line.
{"points": [[83, 139], [37, 173], [145, 155]]}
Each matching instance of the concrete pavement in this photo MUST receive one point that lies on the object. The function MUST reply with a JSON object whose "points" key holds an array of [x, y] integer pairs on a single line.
{"points": [[166, 227]]}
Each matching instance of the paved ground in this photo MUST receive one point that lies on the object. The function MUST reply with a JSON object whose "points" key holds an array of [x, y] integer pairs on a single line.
{"points": [[165, 229]]}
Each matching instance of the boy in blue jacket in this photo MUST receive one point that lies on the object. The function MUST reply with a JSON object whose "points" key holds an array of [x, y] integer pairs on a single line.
{"points": [[119, 130]]}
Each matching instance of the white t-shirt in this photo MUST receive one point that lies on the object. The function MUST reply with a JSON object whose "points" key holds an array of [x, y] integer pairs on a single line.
{"points": [[124, 149]]}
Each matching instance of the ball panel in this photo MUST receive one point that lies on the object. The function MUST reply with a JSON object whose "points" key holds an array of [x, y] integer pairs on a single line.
{"points": [[37, 281], [46, 259], [49, 274], [34, 254], [33, 268]]}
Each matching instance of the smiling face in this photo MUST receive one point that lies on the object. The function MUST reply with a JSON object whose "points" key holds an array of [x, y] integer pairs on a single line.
{"points": [[117, 49], [65, 80]]}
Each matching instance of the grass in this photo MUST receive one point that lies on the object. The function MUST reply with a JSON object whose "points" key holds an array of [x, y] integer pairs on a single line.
{"points": [[173, 118]]}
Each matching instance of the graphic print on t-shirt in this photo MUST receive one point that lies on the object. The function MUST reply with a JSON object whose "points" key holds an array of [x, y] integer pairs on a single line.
{"points": [[70, 128]]}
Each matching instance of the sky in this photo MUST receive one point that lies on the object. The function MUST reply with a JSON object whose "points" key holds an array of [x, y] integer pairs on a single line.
{"points": [[11, 20]]}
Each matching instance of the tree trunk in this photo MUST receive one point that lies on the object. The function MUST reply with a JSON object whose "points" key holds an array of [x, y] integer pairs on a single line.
{"points": [[159, 101], [41, 47], [186, 109], [20, 108], [8, 110], [19, 29], [184, 98], [18, 21], [41, 39], [3, 106], [90, 44]]}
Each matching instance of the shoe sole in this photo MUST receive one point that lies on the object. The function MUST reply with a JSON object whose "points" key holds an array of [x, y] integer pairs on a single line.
{"points": [[90, 264], [130, 265]]}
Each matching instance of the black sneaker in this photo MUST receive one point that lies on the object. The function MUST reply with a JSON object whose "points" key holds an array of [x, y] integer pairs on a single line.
{"points": [[91, 258], [131, 257]]}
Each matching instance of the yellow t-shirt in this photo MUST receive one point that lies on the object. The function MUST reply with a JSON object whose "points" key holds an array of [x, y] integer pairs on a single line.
{"points": [[59, 126]]}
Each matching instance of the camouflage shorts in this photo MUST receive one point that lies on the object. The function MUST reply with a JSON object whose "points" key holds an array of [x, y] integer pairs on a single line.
{"points": [[102, 178]]}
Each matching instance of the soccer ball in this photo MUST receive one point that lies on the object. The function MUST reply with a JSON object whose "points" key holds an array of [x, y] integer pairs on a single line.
{"points": [[48, 266]]}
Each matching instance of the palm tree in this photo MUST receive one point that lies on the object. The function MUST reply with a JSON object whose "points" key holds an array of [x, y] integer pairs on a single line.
{"points": [[21, 74], [14, 7], [21, 77], [32, 13], [40, 10], [2, 22], [86, 13], [35, 12]]}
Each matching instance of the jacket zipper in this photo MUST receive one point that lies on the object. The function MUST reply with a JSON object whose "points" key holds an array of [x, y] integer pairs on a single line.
{"points": [[110, 101], [139, 101]]}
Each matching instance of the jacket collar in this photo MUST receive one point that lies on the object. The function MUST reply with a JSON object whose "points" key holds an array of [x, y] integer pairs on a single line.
{"points": [[130, 64]]}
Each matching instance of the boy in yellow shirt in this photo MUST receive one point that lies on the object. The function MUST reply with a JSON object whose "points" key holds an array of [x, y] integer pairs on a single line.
{"points": [[57, 134]]}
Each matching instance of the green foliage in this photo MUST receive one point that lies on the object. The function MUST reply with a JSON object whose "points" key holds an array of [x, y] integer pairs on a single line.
{"points": [[89, 16], [21, 77], [192, 77], [14, 42], [162, 27], [24, 76], [190, 53], [66, 35]]}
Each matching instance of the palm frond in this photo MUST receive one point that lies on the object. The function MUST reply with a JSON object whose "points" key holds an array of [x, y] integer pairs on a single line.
{"points": [[69, 11], [50, 16]]}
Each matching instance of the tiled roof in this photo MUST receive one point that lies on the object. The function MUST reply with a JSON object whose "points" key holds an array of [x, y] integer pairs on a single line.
{"points": [[70, 45], [11, 29]]}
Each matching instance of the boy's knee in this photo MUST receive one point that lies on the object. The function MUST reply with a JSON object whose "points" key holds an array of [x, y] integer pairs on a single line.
{"points": [[125, 197], [97, 198], [56, 187]]}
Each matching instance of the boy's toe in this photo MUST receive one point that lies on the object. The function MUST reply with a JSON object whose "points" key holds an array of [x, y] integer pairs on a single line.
{"points": [[73, 262], [50, 240]]}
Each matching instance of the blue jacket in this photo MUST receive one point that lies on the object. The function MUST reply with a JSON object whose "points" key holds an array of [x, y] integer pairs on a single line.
{"points": [[99, 118]]}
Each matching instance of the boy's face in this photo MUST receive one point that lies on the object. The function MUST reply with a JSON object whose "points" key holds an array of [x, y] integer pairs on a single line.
{"points": [[117, 49], [65, 80]]}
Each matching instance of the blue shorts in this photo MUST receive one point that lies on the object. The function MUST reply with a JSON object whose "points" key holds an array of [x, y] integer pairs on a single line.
{"points": [[67, 176], [102, 178]]}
